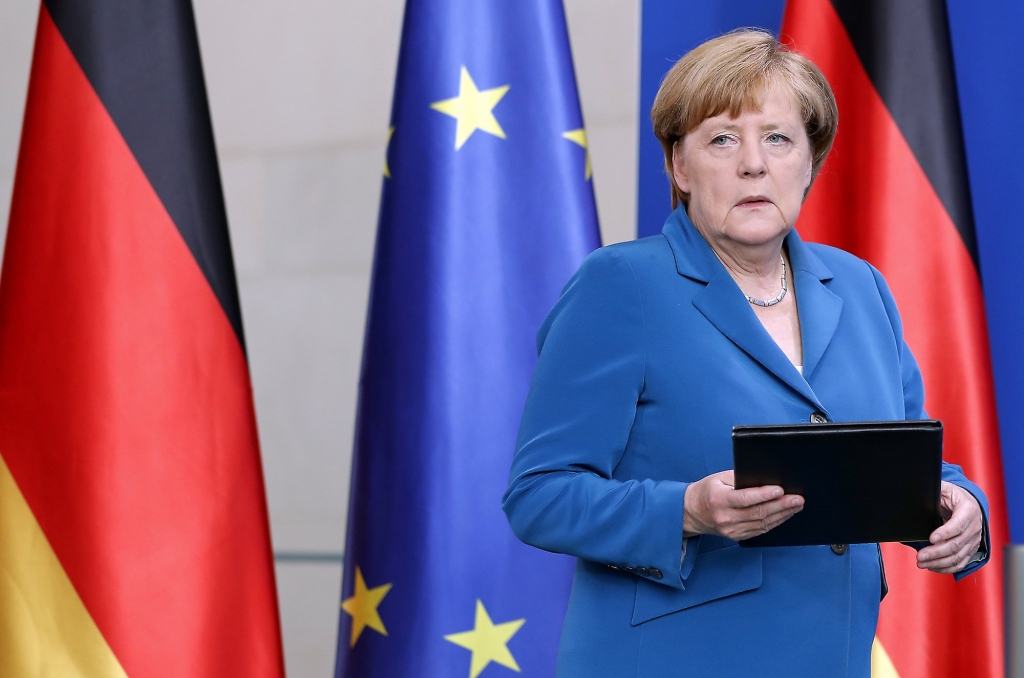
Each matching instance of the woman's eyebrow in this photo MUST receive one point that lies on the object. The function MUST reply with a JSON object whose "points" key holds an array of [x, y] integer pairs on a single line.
{"points": [[730, 127], [777, 125]]}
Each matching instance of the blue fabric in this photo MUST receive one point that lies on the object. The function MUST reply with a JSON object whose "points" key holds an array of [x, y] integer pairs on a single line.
{"points": [[473, 247], [647, 361], [990, 74]]}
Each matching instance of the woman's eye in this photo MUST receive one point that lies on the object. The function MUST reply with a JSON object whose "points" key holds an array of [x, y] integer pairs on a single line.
{"points": [[720, 140], [776, 138]]}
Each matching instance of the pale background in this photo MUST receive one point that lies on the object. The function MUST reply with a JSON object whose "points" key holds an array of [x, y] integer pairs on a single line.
{"points": [[300, 94]]}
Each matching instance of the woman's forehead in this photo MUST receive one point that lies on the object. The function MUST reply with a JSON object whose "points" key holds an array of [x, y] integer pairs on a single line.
{"points": [[777, 100]]}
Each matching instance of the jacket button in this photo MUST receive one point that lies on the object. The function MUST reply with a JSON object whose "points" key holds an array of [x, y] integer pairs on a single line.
{"points": [[839, 549], [818, 418], [655, 572], [643, 571]]}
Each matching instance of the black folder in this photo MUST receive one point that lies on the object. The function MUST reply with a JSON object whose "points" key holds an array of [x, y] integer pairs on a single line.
{"points": [[861, 482]]}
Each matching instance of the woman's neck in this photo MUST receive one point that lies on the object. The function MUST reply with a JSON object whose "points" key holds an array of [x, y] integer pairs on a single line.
{"points": [[757, 270]]}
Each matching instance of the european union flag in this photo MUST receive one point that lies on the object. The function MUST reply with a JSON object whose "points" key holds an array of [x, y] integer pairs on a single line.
{"points": [[487, 211]]}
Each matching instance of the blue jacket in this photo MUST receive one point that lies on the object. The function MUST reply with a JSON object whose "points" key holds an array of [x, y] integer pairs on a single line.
{"points": [[647, 361]]}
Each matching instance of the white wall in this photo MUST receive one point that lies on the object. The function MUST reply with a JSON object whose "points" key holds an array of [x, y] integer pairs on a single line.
{"points": [[300, 94]]}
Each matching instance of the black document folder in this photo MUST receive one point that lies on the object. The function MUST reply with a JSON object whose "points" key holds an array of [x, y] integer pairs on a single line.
{"points": [[861, 482]]}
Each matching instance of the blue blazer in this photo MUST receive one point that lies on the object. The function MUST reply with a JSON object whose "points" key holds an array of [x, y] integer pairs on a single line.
{"points": [[647, 361]]}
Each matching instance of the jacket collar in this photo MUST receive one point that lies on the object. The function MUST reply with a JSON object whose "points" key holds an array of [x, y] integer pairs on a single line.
{"points": [[724, 305]]}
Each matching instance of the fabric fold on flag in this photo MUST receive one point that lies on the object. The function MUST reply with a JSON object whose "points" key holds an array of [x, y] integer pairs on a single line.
{"points": [[135, 537], [487, 210]]}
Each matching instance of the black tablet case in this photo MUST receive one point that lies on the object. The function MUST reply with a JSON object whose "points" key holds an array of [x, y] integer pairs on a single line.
{"points": [[861, 482]]}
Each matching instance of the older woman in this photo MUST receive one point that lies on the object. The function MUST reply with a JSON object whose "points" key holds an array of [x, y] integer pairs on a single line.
{"points": [[658, 347]]}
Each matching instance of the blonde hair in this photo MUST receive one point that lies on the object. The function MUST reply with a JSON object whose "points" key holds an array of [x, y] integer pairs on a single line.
{"points": [[732, 73]]}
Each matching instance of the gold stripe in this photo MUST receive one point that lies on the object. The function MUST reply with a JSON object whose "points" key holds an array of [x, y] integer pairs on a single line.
{"points": [[45, 630], [881, 665]]}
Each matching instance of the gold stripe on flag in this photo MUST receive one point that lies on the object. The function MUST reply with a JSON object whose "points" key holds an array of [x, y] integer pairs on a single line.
{"points": [[44, 626], [881, 665]]}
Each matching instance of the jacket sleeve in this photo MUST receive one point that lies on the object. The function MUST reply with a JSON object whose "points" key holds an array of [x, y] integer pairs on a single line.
{"points": [[579, 414], [913, 395]]}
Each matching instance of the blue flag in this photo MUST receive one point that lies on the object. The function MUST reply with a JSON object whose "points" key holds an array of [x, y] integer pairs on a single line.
{"points": [[487, 211]]}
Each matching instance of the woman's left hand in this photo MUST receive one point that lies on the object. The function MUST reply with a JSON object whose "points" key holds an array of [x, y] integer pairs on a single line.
{"points": [[958, 539]]}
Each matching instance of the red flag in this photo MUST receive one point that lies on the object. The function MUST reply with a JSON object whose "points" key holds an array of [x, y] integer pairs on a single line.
{"points": [[894, 191], [134, 538]]}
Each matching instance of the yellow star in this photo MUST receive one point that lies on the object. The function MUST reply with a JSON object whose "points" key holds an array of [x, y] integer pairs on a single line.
{"points": [[472, 109], [487, 641], [579, 136], [387, 170], [363, 607]]}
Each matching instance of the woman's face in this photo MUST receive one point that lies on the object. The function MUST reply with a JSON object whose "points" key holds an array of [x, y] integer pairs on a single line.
{"points": [[746, 176]]}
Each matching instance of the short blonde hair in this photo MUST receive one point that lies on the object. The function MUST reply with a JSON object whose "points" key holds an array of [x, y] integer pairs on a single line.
{"points": [[732, 73]]}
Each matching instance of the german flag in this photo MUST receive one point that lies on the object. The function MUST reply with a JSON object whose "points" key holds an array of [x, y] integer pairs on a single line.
{"points": [[134, 537], [895, 192]]}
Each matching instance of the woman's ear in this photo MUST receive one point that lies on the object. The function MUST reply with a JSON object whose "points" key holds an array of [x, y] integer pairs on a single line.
{"points": [[679, 167]]}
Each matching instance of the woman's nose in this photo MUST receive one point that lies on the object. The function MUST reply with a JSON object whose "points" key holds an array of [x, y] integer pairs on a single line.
{"points": [[752, 162]]}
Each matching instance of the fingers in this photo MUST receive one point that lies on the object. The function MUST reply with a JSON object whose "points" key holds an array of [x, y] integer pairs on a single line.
{"points": [[753, 496], [750, 521], [949, 557], [712, 505], [745, 497], [955, 542], [956, 525], [959, 510], [752, 528]]}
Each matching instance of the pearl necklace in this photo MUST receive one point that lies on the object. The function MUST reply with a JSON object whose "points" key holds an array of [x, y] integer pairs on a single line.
{"points": [[782, 294]]}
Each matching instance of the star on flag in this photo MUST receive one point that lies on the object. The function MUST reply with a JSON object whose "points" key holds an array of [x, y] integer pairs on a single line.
{"points": [[472, 109], [579, 137], [487, 641], [387, 170], [362, 607]]}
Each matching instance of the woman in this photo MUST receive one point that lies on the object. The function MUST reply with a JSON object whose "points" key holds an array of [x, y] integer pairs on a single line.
{"points": [[658, 347]]}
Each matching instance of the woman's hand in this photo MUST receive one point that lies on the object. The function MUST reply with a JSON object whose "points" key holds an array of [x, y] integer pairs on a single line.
{"points": [[958, 539], [713, 505]]}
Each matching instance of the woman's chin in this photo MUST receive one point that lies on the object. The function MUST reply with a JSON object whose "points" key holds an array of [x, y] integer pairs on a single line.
{"points": [[757, 233]]}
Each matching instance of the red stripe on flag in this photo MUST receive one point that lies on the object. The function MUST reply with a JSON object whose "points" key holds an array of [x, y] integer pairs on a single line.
{"points": [[874, 200], [125, 404]]}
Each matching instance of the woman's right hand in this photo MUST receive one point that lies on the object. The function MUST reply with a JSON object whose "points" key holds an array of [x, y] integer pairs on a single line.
{"points": [[713, 505]]}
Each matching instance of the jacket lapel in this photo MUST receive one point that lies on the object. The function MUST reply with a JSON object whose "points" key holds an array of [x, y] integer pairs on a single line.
{"points": [[819, 308], [723, 304], [725, 307]]}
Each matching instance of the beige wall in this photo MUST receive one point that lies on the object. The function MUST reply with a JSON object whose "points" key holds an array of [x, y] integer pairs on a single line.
{"points": [[300, 95]]}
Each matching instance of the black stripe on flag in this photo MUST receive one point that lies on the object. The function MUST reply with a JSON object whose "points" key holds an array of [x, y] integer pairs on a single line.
{"points": [[905, 48], [142, 58]]}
